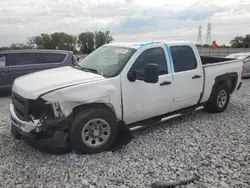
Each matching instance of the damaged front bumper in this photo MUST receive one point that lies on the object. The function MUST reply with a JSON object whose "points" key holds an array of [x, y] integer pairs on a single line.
{"points": [[24, 126], [48, 136]]}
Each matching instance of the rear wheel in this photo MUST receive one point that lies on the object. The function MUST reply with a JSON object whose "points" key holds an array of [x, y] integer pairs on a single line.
{"points": [[219, 99], [93, 131]]}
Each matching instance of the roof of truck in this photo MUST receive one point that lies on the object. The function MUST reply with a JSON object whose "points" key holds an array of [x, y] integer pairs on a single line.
{"points": [[137, 45], [35, 50]]}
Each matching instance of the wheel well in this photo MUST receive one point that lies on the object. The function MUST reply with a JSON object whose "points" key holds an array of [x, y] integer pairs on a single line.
{"points": [[229, 79], [79, 108]]}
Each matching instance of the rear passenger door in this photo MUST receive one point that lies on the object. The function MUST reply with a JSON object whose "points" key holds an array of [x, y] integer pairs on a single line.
{"points": [[24, 63], [4, 73], [188, 77]]}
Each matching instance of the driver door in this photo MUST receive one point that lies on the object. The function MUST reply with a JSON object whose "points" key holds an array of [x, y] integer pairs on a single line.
{"points": [[143, 100]]}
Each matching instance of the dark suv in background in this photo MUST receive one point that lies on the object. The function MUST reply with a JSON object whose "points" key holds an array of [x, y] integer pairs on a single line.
{"points": [[15, 63]]}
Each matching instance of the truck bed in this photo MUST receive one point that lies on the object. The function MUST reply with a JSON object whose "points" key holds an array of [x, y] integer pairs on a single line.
{"points": [[211, 60], [213, 68]]}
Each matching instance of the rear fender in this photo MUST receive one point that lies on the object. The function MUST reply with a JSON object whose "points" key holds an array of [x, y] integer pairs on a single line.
{"points": [[230, 79]]}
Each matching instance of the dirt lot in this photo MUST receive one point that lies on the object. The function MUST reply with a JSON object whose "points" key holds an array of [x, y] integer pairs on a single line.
{"points": [[215, 146]]}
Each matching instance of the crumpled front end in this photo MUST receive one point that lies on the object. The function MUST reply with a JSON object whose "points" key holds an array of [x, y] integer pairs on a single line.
{"points": [[40, 123]]}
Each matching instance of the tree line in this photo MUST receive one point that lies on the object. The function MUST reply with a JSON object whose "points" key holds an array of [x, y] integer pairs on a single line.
{"points": [[241, 42], [85, 42], [236, 42]]}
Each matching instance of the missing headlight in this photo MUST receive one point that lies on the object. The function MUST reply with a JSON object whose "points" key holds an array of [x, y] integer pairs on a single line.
{"points": [[57, 109]]}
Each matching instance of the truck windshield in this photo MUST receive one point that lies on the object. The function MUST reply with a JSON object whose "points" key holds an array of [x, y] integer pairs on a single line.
{"points": [[107, 60]]}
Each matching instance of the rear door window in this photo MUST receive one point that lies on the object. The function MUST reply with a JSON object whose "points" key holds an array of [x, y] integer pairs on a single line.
{"points": [[53, 57], [2, 60], [15, 59], [34, 58], [183, 58]]}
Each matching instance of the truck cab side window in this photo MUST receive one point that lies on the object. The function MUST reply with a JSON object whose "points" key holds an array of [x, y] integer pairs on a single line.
{"points": [[2, 61], [183, 58], [153, 55]]}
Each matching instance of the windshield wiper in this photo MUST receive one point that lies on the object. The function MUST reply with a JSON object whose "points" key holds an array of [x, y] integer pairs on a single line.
{"points": [[91, 70]]}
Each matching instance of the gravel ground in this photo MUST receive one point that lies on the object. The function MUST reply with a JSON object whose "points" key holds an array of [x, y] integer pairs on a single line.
{"points": [[215, 146]]}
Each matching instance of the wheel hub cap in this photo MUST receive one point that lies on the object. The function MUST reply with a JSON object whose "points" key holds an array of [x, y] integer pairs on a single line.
{"points": [[222, 98], [96, 133]]}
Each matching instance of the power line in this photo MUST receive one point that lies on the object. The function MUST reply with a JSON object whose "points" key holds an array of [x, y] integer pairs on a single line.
{"points": [[199, 40], [208, 37]]}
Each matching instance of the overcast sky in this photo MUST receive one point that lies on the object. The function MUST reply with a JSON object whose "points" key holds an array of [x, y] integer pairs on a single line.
{"points": [[127, 20]]}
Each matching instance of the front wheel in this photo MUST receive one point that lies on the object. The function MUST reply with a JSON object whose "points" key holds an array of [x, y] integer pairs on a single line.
{"points": [[219, 99], [93, 131]]}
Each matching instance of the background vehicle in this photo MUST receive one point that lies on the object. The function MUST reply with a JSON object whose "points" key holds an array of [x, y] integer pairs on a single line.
{"points": [[16, 63], [245, 56], [120, 84]]}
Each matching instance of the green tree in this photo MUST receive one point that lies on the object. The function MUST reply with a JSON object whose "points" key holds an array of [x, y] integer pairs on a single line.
{"points": [[246, 41], [20, 46], [241, 42], [4, 48], [41, 42], [206, 45], [63, 41], [102, 38], [86, 42], [57, 40]]}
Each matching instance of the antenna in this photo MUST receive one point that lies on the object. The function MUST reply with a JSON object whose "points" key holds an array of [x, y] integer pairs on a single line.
{"points": [[199, 41], [208, 38]]}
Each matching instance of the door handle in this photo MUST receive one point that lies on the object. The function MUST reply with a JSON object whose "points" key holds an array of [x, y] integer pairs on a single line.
{"points": [[196, 76], [165, 83]]}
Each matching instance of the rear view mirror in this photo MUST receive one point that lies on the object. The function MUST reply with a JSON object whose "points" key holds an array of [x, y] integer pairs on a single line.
{"points": [[151, 73]]}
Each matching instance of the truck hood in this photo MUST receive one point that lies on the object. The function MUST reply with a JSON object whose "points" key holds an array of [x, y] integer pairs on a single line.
{"points": [[31, 86]]}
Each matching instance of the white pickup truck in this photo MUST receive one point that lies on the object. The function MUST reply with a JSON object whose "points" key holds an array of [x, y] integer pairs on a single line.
{"points": [[120, 83]]}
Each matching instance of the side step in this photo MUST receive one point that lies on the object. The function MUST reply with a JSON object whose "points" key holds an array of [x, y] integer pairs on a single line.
{"points": [[168, 117]]}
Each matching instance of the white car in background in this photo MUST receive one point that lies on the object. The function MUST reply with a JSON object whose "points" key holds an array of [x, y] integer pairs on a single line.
{"points": [[246, 60]]}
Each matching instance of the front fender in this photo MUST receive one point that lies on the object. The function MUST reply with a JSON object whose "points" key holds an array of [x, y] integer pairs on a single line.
{"points": [[106, 92], [67, 107]]}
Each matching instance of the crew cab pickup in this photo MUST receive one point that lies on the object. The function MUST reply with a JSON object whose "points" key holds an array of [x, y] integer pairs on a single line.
{"points": [[120, 84]]}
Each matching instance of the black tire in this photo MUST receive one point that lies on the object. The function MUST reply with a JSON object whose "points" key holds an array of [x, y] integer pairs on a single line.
{"points": [[15, 134], [81, 119], [212, 105]]}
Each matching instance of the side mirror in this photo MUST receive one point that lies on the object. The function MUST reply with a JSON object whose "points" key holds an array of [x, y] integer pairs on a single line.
{"points": [[78, 58], [151, 73], [131, 76]]}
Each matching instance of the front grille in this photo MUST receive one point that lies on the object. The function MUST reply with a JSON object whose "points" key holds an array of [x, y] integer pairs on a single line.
{"points": [[21, 107]]}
